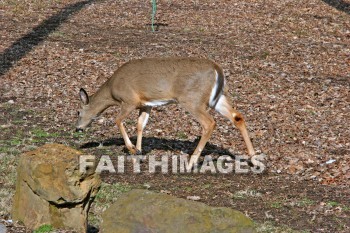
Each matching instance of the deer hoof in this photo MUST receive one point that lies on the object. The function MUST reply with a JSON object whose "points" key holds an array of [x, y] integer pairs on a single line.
{"points": [[132, 150]]}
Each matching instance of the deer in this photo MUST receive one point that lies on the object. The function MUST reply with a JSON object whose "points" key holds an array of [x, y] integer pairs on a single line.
{"points": [[196, 84]]}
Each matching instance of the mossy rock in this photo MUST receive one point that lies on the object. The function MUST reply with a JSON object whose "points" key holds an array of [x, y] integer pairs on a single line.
{"points": [[146, 211]]}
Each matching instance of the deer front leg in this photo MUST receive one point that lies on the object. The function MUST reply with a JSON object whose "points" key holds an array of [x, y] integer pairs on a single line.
{"points": [[124, 112], [141, 124]]}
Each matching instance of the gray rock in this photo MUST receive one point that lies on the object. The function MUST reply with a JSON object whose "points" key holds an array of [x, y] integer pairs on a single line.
{"points": [[2, 228], [145, 211]]}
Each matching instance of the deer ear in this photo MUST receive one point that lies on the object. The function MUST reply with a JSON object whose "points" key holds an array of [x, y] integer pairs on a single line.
{"points": [[84, 96]]}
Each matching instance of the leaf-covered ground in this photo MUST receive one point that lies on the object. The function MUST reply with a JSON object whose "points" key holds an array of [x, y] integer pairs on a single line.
{"points": [[287, 65]]}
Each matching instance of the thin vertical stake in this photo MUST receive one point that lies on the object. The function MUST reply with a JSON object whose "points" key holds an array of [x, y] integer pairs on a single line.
{"points": [[154, 10]]}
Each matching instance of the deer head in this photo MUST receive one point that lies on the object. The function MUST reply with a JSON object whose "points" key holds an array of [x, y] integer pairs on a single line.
{"points": [[86, 114]]}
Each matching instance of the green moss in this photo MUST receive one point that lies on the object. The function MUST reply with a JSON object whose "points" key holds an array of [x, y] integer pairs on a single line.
{"points": [[109, 192], [333, 203], [181, 135], [16, 141], [276, 205], [44, 229], [305, 202], [39, 133]]}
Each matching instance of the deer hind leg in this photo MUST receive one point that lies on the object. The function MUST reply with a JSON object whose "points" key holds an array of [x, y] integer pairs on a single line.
{"points": [[208, 124], [225, 109], [124, 112], [141, 124]]}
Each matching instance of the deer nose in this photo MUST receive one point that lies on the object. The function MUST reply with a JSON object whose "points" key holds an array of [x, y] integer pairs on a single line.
{"points": [[79, 130]]}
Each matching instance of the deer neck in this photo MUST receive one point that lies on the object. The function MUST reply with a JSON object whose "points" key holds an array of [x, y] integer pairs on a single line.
{"points": [[102, 99]]}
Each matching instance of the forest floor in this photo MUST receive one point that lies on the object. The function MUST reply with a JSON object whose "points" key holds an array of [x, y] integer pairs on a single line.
{"points": [[287, 66]]}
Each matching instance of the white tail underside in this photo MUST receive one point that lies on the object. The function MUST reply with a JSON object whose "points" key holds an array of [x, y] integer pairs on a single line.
{"points": [[213, 91]]}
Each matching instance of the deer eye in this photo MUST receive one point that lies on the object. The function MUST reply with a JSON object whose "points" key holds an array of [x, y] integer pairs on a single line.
{"points": [[78, 113]]}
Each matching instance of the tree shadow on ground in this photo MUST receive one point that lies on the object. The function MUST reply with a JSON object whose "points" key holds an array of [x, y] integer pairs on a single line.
{"points": [[339, 5], [39, 33], [177, 146]]}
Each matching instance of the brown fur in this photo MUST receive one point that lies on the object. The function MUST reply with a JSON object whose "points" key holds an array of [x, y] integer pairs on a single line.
{"points": [[188, 81]]}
